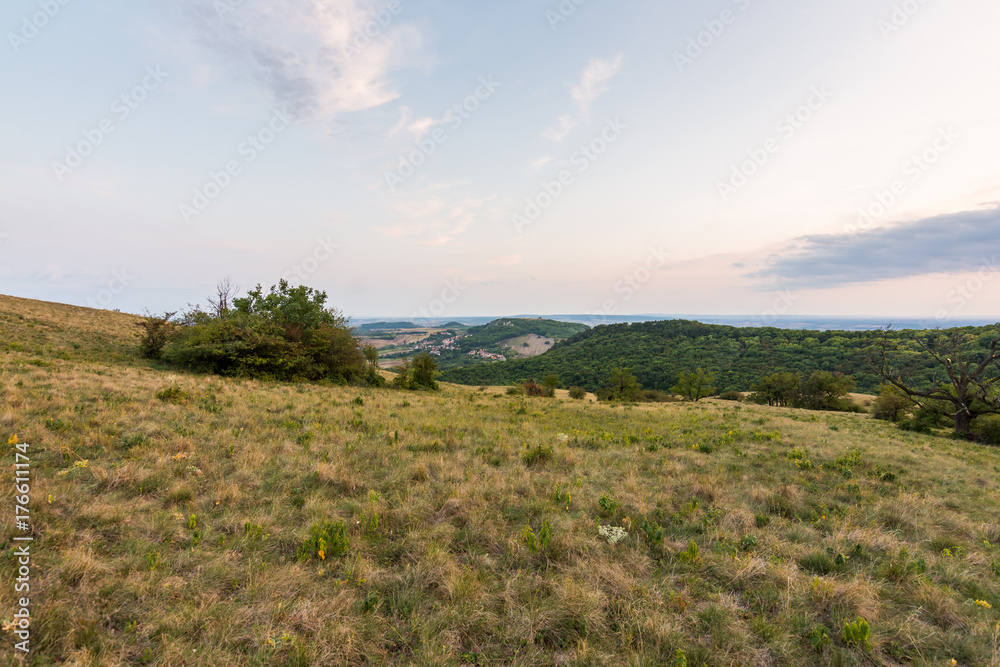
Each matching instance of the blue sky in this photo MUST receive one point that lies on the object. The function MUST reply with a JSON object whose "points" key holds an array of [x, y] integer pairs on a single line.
{"points": [[450, 159]]}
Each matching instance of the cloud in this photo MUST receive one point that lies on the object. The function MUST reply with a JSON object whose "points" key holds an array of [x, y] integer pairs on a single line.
{"points": [[953, 243], [535, 166], [593, 83], [564, 125], [311, 56]]}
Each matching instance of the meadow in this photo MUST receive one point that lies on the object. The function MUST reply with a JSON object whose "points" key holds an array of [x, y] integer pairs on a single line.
{"points": [[183, 519]]}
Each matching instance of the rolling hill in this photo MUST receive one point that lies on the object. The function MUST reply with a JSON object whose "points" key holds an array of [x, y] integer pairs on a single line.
{"points": [[657, 352]]}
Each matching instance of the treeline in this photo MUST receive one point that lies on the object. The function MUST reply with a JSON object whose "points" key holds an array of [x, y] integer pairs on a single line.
{"points": [[738, 357]]}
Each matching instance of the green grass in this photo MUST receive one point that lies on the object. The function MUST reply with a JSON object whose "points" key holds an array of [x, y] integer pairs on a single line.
{"points": [[463, 527]]}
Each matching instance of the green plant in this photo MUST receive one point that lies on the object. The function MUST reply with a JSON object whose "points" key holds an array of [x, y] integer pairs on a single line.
{"points": [[172, 394], [731, 396], [607, 503], [819, 638], [654, 533], [694, 385], [987, 429], [577, 393], [858, 633], [689, 555], [156, 331], [537, 455], [326, 540]]}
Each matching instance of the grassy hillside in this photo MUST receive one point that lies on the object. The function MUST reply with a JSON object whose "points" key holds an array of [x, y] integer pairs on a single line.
{"points": [[167, 532], [658, 352]]}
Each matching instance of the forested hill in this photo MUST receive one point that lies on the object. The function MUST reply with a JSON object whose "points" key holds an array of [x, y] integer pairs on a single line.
{"points": [[657, 352]]}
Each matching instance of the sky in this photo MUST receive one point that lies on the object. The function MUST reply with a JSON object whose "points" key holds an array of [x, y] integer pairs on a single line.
{"points": [[449, 159]]}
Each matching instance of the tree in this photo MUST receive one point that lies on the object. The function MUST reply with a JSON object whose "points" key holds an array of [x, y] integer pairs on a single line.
{"points": [[694, 385], [225, 292], [424, 369], [965, 384], [825, 390], [156, 332], [781, 389], [623, 385]]}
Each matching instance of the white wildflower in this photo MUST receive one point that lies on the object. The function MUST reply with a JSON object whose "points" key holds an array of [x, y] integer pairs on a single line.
{"points": [[615, 534]]}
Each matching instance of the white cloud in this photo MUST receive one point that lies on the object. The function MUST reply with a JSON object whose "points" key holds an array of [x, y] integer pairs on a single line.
{"points": [[593, 83], [307, 53], [564, 125], [535, 166]]}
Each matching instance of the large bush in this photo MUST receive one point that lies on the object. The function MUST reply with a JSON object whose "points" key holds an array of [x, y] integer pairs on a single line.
{"points": [[287, 333], [891, 405], [987, 429]]}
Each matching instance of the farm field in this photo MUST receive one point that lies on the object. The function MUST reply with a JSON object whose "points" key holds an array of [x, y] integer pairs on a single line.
{"points": [[192, 520]]}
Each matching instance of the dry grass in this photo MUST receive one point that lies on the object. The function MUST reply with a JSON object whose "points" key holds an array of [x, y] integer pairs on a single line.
{"points": [[793, 532]]}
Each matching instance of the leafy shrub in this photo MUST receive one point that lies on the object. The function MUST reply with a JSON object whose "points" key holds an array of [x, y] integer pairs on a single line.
{"points": [[694, 385], [172, 394], [286, 334], [891, 404], [858, 633], [155, 334], [731, 396], [417, 373], [987, 429], [923, 421], [325, 539], [577, 393], [538, 454]]}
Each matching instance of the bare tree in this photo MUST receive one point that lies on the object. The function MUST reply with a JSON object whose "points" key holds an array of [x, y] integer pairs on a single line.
{"points": [[964, 385], [225, 292]]}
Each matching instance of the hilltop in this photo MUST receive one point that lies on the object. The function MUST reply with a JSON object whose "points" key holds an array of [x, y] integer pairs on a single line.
{"points": [[190, 519]]}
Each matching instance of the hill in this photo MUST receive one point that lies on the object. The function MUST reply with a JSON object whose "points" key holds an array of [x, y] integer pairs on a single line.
{"points": [[387, 326], [657, 352], [180, 519]]}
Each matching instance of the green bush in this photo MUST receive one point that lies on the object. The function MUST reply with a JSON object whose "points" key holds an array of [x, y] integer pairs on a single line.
{"points": [[987, 429], [577, 393], [891, 404], [731, 396], [172, 394], [286, 334], [155, 334]]}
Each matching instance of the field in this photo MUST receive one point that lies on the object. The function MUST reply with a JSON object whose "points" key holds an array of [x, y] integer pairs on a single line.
{"points": [[192, 520], [536, 345]]}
